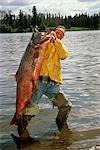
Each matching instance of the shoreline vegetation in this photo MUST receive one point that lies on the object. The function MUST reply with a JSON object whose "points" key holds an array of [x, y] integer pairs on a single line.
{"points": [[24, 22]]}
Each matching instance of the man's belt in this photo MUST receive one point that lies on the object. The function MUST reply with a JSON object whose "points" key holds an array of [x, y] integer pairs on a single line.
{"points": [[46, 79]]}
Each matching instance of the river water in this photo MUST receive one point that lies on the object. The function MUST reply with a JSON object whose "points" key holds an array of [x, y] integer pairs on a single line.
{"points": [[81, 84]]}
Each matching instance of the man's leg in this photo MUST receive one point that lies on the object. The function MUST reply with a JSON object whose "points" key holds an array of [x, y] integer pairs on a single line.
{"points": [[22, 127], [30, 111], [59, 100], [64, 107]]}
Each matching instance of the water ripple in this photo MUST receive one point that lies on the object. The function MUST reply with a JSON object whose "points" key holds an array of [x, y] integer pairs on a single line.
{"points": [[81, 76]]}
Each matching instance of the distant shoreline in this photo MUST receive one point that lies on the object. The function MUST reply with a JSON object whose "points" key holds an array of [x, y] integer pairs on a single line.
{"points": [[23, 22], [71, 29], [80, 29]]}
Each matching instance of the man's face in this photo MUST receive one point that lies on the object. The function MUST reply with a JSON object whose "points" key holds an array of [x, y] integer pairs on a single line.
{"points": [[59, 33]]}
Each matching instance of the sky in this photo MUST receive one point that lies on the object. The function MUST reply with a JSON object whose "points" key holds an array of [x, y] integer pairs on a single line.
{"points": [[64, 7]]}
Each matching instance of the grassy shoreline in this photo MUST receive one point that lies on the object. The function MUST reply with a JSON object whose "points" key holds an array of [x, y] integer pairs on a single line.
{"points": [[51, 28]]}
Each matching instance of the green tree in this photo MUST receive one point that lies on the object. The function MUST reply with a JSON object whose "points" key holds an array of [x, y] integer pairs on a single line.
{"points": [[96, 19], [34, 18], [20, 19]]}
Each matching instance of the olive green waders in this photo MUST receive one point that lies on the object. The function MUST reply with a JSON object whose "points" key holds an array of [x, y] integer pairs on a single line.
{"points": [[64, 107]]}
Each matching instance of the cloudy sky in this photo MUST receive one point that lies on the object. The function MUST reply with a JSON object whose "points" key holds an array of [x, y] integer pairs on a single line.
{"points": [[68, 7]]}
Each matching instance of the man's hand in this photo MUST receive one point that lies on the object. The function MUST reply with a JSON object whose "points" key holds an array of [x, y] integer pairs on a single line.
{"points": [[53, 36], [35, 85]]}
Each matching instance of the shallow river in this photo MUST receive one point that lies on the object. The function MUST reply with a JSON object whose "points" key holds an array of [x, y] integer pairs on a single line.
{"points": [[81, 84]]}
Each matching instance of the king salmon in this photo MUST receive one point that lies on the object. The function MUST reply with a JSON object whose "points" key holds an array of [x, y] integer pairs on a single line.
{"points": [[28, 72]]}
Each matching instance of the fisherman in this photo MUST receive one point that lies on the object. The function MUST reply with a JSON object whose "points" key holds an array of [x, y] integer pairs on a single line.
{"points": [[49, 83], [51, 76]]}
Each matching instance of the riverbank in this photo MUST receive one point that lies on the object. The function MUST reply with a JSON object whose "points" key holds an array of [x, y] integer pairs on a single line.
{"points": [[20, 30], [79, 29]]}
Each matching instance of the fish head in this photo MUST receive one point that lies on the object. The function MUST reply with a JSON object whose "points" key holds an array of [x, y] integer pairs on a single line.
{"points": [[36, 36]]}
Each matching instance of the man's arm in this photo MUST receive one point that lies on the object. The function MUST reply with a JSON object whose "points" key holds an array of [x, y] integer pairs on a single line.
{"points": [[61, 50]]}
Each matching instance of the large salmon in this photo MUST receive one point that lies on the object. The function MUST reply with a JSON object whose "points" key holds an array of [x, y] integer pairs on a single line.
{"points": [[28, 72]]}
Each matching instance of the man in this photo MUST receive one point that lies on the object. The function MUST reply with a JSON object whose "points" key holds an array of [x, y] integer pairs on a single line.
{"points": [[49, 83]]}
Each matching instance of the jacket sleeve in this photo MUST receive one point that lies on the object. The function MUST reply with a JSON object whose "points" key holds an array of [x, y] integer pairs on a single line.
{"points": [[61, 50]]}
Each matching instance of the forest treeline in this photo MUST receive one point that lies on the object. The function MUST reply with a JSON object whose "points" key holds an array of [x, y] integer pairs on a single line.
{"points": [[25, 22]]}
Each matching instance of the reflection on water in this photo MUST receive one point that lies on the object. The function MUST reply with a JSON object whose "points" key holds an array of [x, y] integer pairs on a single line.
{"points": [[81, 74]]}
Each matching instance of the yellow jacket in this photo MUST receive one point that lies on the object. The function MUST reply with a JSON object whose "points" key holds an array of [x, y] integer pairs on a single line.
{"points": [[51, 64]]}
